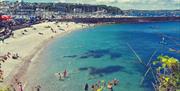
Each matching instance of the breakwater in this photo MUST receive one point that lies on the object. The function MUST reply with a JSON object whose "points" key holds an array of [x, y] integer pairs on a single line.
{"points": [[121, 19]]}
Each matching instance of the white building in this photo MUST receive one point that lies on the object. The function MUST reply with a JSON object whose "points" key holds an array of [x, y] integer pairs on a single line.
{"points": [[1, 0]]}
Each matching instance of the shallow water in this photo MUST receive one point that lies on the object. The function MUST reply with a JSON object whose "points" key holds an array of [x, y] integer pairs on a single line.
{"points": [[101, 53]]}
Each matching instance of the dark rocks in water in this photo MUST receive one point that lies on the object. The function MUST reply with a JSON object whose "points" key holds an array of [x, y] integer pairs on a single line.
{"points": [[100, 53], [106, 70], [70, 56], [102, 71], [97, 54], [82, 57], [115, 55], [83, 69]]}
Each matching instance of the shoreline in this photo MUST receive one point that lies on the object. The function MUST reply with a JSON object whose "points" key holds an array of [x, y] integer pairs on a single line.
{"points": [[21, 71], [20, 68]]}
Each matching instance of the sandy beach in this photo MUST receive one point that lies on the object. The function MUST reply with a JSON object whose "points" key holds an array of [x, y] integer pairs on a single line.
{"points": [[27, 43]]}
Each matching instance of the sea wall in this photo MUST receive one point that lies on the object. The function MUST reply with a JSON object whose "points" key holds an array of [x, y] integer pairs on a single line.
{"points": [[122, 19]]}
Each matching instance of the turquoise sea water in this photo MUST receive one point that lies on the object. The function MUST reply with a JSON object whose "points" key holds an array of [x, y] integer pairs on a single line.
{"points": [[101, 53]]}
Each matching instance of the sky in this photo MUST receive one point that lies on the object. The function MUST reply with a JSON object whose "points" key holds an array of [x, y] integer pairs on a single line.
{"points": [[124, 4]]}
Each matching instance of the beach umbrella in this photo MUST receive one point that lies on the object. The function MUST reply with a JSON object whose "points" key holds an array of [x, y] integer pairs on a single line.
{"points": [[5, 17]]}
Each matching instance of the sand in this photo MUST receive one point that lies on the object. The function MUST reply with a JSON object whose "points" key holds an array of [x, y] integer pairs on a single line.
{"points": [[27, 43]]}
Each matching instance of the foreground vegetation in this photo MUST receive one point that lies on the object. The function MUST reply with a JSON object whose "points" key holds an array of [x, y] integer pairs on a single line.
{"points": [[168, 73], [6, 88]]}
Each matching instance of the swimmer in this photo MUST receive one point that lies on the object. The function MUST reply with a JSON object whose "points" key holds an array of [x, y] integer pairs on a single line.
{"points": [[99, 83], [115, 82], [94, 88], [86, 87], [110, 86]]}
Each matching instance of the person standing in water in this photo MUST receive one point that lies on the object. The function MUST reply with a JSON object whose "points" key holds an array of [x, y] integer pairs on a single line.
{"points": [[86, 87], [65, 73], [110, 86], [38, 87], [20, 86], [60, 76]]}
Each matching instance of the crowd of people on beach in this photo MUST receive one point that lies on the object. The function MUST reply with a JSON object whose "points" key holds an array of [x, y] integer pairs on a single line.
{"points": [[18, 86], [98, 86], [5, 32], [9, 55], [102, 85], [3, 59], [10, 33]]}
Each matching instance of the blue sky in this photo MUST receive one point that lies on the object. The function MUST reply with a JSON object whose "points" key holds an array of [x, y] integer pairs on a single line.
{"points": [[124, 4]]}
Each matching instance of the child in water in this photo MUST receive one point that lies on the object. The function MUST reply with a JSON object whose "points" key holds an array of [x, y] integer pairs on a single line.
{"points": [[60, 76]]}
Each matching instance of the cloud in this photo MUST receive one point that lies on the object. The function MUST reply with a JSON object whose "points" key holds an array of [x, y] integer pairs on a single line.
{"points": [[138, 1], [106, 1], [142, 4], [116, 1]]}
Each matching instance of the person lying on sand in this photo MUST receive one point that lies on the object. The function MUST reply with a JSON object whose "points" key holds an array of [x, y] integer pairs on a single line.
{"points": [[25, 30], [23, 33], [5, 57], [40, 33], [1, 75], [34, 28], [15, 56], [58, 26]]}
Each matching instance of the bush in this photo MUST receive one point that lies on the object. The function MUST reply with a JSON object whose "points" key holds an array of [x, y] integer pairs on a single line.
{"points": [[168, 70]]}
